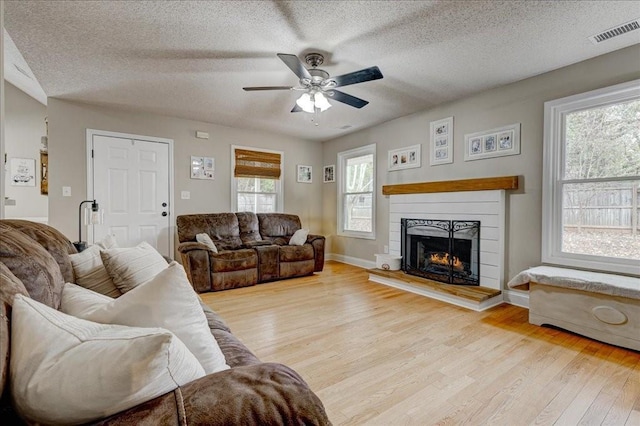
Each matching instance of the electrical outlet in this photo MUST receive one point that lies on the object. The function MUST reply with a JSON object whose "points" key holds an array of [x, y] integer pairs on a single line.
{"points": [[185, 195], [66, 191], [386, 249]]}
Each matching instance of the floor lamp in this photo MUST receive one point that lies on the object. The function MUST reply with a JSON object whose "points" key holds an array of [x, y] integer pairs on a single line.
{"points": [[94, 217]]}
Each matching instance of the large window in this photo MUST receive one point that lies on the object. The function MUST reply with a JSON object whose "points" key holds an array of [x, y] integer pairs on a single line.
{"points": [[356, 196], [256, 186], [592, 180]]}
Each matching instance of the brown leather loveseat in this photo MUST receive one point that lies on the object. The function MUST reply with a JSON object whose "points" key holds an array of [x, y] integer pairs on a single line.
{"points": [[34, 262], [252, 248]]}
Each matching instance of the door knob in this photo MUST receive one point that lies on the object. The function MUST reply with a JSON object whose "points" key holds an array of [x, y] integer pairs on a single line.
{"points": [[164, 204], [164, 213]]}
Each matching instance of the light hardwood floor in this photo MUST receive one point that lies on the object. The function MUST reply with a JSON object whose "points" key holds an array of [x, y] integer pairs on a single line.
{"points": [[380, 356]]}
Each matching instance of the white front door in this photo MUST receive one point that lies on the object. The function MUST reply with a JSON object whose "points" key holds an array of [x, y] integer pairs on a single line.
{"points": [[131, 183]]}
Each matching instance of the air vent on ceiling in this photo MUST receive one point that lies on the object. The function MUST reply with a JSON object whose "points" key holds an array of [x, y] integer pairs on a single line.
{"points": [[616, 31], [26, 73]]}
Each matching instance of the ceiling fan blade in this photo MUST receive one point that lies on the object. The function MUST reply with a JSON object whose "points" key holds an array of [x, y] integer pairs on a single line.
{"points": [[296, 108], [361, 76], [348, 99], [295, 65], [251, 89]]}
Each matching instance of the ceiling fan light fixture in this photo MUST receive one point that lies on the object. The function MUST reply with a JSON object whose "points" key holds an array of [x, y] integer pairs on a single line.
{"points": [[306, 103], [321, 102]]}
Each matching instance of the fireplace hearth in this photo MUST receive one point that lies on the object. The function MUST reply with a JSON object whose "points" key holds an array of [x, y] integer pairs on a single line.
{"points": [[447, 251]]}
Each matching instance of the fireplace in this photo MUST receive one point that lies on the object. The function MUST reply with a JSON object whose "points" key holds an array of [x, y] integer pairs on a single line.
{"points": [[441, 250]]}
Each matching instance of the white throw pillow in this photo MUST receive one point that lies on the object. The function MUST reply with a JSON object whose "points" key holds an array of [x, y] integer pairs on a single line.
{"points": [[299, 237], [130, 267], [167, 301], [207, 241], [109, 241], [80, 301], [65, 370], [90, 272]]}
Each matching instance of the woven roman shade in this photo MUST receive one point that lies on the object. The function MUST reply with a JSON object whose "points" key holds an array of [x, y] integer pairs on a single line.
{"points": [[257, 164]]}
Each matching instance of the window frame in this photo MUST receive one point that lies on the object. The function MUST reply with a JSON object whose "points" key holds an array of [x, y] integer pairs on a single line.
{"points": [[341, 180], [279, 182], [553, 177]]}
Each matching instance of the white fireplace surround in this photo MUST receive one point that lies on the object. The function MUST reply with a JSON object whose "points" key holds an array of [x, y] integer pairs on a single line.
{"points": [[486, 206]]}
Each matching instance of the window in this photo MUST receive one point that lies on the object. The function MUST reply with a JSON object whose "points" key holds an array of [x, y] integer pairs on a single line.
{"points": [[592, 180], [356, 185], [256, 186]]}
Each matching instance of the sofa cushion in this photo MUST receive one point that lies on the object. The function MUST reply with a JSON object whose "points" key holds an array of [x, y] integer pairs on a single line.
{"points": [[249, 228], [296, 253], [223, 229], [249, 395], [233, 260], [90, 272], [31, 264], [52, 240], [130, 267], [66, 370], [274, 225], [167, 301]]}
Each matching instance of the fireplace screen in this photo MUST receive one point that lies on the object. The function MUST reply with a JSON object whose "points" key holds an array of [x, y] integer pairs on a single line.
{"points": [[442, 250]]}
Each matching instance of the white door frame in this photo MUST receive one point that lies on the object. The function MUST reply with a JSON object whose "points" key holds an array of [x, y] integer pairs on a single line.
{"points": [[90, 134]]}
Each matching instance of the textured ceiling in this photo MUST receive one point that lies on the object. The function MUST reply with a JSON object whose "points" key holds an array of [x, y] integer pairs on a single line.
{"points": [[191, 59]]}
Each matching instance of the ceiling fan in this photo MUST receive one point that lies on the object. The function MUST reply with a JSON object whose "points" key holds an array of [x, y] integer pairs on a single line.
{"points": [[317, 85]]}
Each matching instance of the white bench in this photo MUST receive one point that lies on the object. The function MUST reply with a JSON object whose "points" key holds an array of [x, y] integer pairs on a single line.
{"points": [[602, 306]]}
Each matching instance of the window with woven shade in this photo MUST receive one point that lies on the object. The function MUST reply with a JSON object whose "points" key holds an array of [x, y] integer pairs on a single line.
{"points": [[257, 185]]}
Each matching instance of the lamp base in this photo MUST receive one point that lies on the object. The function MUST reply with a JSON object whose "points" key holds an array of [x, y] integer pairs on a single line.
{"points": [[80, 246]]}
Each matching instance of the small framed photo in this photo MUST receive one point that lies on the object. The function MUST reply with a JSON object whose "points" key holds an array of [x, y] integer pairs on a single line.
{"points": [[304, 174], [498, 142], [329, 174], [404, 158], [505, 141], [23, 172], [441, 134], [202, 168]]}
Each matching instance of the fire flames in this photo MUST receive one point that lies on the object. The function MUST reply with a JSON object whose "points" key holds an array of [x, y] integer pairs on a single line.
{"points": [[443, 259]]}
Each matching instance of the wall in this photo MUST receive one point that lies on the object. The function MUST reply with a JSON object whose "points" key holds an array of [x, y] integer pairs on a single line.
{"points": [[2, 109], [24, 126], [68, 122], [520, 102]]}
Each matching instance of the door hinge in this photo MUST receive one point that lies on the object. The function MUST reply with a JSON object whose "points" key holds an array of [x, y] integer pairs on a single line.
{"points": [[91, 153]]}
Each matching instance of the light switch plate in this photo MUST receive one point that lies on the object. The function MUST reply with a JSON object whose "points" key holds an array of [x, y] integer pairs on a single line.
{"points": [[66, 191], [185, 195]]}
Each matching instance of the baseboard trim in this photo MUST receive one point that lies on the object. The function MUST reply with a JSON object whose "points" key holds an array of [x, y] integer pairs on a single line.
{"points": [[517, 298], [361, 263]]}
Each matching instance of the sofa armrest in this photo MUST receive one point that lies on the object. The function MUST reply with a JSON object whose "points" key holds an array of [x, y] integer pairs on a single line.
{"points": [[262, 394], [214, 320], [197, 265], [317, 241]]}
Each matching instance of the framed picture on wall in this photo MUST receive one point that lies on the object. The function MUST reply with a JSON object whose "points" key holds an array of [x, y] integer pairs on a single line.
{"points": [[441, 135], [22, 172], [499, 142], [404, 158], [202, 168], [304, 174], [329, 174]]}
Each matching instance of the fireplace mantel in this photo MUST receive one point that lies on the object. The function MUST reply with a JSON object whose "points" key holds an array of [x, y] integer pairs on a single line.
{"points": [[480, 184]]}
